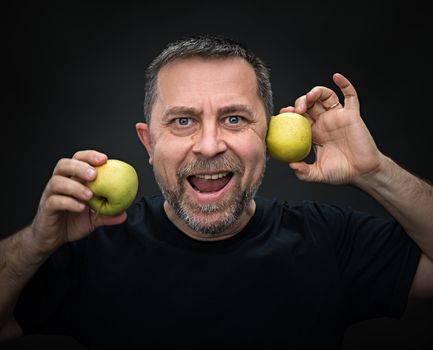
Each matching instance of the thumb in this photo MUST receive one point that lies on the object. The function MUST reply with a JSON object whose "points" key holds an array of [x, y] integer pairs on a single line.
{"points": [[306, 172]]}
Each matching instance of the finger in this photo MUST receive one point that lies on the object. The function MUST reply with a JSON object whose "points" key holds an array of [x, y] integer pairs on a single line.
{"points": [[68, 187], [310, 111], [305, 172], [351, 100], [58, 202], [301, 105], [287, 109], [92, 157], [75, 168], [322, 98], [292, 109], [317, 101]]}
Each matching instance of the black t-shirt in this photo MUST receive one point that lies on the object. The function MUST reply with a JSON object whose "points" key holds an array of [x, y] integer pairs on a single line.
{"points": [[295, 277]]}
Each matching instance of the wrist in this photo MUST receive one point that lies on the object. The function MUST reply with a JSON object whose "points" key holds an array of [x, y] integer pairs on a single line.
{"points": [[380, 175], [42, 239]]}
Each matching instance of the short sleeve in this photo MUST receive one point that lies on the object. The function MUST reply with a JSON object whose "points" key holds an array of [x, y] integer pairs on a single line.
{"points": [[376, 260]]}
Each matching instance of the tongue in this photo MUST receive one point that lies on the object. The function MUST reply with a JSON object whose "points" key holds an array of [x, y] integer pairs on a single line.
{"points": [[209, 185]]}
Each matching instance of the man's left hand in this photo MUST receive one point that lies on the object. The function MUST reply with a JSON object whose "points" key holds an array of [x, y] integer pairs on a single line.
{"points": [[345, 150]]}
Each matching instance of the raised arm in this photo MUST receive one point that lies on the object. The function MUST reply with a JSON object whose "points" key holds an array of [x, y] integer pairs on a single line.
{"points": [[347, 154], [62, 217]]}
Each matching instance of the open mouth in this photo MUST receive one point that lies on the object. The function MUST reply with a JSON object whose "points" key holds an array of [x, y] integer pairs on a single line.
{"points": [[208, 183]]}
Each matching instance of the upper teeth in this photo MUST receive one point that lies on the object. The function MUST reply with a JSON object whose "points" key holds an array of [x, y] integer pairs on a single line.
{"points": [[211, 176]]}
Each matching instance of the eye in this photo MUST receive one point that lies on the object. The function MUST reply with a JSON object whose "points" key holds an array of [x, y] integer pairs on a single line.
{"points": [[234, 119], [183, 121]]}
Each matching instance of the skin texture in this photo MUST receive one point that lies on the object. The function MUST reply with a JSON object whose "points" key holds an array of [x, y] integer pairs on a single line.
{"points": [[207, 93]]}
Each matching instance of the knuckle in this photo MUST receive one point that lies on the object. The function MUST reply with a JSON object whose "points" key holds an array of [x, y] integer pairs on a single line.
{"points": [[60, 203], [78, 154], [62, 162], [50, 186], [54, 184], [61, 165], [50, 202]]}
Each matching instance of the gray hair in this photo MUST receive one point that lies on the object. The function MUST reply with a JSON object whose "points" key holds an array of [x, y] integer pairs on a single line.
{"points": [[210, 47]]}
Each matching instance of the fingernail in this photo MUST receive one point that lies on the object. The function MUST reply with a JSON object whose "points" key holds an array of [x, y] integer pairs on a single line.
{"points": [[81, 206], [91, 173], [99, 157], [87, 194]]}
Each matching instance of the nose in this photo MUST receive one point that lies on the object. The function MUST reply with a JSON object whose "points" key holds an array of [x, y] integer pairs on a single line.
{"points": [[209, 142]]}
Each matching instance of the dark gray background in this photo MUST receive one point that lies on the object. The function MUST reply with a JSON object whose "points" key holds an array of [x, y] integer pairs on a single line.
{"points": [[73, 74]]}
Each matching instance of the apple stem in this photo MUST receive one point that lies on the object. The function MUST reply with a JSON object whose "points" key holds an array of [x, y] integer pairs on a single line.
{"points": [[99, 209]]}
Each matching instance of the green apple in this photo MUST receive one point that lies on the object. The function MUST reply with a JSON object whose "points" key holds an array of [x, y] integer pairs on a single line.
{"points": [[114, 188], [289, 137]]}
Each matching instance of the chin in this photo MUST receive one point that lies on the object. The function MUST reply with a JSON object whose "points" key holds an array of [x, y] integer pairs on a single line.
{"points": [[210, 212], [214, 218], [211, 224]]}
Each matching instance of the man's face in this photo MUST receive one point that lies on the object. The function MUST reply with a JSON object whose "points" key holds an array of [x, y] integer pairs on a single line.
{"points": [[207, 140]]}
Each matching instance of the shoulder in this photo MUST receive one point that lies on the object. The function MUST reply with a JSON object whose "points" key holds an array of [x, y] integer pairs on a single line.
{"points": [[311, 211], [318, 220], [308, 218]]}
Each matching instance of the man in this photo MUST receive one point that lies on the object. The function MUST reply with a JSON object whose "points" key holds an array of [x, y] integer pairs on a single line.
{"points": [[210, 264]]}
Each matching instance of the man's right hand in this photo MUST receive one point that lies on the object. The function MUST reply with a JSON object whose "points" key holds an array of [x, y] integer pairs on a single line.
{"points": [[62, 217], [62, 214]]}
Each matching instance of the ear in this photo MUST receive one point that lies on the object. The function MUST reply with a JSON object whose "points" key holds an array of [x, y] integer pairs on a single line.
{"points": [[144, 136]]}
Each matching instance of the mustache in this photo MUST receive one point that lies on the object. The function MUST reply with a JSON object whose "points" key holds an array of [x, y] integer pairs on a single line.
{"points": [[220, 163]]}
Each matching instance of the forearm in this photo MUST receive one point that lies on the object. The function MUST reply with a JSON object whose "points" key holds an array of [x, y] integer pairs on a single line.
{"points": [[19, 260], [406, 197]]}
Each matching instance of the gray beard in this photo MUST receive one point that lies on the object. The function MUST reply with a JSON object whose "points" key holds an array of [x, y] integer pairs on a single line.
{"points": [[232, 207]]}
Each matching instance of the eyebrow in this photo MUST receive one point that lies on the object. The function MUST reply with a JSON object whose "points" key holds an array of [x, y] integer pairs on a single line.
{"points": [[235, 108], [190, 111], [182, 110]]}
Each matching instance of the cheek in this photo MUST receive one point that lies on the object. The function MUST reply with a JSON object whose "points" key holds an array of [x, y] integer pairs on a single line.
{"points": [[166, 161], [252, 152]]}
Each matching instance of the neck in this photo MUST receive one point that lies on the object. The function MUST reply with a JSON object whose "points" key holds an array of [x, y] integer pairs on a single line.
{"points": [[229, 232]]}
